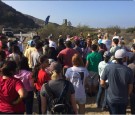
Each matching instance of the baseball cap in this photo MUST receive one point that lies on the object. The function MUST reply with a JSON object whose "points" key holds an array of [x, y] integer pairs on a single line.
{"points": [[107, 54], [121, 53], [116, 37], [31, 42], [55, 66]]}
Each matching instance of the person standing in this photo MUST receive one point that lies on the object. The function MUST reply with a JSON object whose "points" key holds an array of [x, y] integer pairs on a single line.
{"points": [[120, 83], [132, 96], [55, 87], [12, 91], [65, 56], [31, 48], [25, 75], [41, 77], [92, 62], [77, 76]]}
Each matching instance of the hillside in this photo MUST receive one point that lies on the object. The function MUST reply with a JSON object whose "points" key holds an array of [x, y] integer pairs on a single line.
{"points": [[9, 17], [39, 21]]}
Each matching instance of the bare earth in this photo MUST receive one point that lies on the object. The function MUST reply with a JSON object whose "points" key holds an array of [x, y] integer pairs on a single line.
{"points": [[90, 108]]}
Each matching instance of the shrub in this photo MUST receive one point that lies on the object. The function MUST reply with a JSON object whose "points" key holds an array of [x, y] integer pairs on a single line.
{"points": [[130, 30], [113, 29]]}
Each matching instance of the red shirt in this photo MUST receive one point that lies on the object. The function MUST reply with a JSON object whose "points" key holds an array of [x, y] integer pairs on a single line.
{"points": [[43, 77], [9, 93], [66, 55]]}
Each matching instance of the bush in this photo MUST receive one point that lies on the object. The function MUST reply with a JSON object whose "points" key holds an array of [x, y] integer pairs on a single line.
{"points": [[113, 29], [63, 30], [130, 30]]}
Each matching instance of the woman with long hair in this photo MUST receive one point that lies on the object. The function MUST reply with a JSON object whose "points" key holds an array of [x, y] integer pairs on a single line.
{"points": [[25, 75], [42, 77], [12, 91]]}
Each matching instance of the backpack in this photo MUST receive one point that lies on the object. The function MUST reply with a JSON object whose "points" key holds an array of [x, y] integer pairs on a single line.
{"points": [[58, 105]]}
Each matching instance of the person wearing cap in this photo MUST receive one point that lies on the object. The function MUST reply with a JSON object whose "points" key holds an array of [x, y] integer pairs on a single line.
{"points": [[56, 85], [120, 83], [101, 68], [29, 50]]}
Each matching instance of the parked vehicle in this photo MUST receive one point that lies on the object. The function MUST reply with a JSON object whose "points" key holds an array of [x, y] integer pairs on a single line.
{"points": [[7, 32]]}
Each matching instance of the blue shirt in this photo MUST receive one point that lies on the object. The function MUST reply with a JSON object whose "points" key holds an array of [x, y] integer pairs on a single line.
{"points": [[119, 77]]}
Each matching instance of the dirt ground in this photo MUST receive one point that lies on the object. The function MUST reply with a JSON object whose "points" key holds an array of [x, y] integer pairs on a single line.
{"points": [[90, 108]]}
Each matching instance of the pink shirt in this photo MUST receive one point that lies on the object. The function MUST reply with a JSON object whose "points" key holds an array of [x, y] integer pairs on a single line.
{"points": [[26, 78]]}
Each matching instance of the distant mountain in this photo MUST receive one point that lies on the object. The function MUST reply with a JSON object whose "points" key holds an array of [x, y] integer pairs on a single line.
{"points": [[9, 17]]}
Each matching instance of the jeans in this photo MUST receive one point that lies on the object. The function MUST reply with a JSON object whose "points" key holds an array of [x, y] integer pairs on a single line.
{"points": [[132, 103], [29, 102], [101, 90], [39, 101], [117, 108], [105, 99]]}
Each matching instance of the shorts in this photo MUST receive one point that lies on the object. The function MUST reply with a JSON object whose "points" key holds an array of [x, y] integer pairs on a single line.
{"points": [[93, 78], [81, 100]]}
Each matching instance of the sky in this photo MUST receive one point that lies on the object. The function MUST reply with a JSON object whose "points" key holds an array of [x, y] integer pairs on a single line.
{"points": [[93, 13]]}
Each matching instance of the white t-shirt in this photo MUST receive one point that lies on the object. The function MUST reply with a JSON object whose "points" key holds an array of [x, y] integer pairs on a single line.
{"points": [[77, 76], [52, 44], [101, 67]]}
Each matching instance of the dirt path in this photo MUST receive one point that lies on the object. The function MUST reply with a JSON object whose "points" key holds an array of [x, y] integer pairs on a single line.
{"points": [[90, 108]]}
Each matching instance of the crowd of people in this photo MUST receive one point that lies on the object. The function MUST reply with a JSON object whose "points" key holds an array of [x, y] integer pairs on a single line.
{"points": [[70, 69]]}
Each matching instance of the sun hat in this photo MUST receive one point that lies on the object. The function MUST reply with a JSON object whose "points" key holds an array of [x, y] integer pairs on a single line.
{"points": [[121, 53]]}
